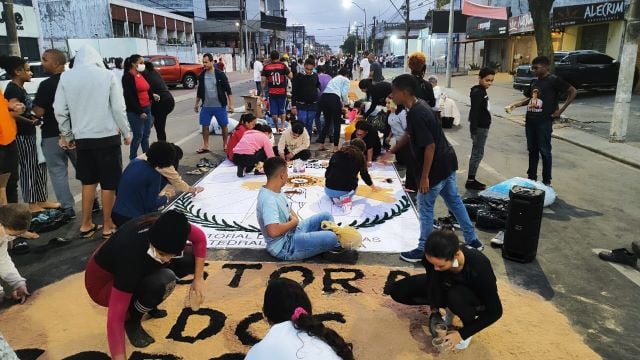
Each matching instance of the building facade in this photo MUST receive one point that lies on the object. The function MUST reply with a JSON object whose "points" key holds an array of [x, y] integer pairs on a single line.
{"points": [[115, 28]]}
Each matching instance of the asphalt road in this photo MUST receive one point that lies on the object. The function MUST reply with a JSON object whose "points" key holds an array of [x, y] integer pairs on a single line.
{"points": [[597, 207]]}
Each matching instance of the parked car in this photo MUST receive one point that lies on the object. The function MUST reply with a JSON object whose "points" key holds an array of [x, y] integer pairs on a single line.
{"points": [[173, 72], [396, 62], [584, 69], [32, 87]]}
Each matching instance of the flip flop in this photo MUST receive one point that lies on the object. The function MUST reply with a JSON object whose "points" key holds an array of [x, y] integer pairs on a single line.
{"points": [[194, 172], [52, 244], [108, 235], [89, 233], [203, 151], [20, 247]]}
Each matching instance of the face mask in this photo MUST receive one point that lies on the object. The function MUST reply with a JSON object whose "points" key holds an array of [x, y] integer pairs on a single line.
{"points": [[455, 263], [140, 67], [154, 255]]}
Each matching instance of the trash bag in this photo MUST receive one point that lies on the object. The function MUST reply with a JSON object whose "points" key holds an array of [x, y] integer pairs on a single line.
{"points": [[47, 220], [491, 219], [214, 127], [501, 190], [478, 203]]}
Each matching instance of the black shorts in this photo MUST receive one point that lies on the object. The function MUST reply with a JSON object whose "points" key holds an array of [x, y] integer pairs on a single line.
{"points": [[99, 165]]}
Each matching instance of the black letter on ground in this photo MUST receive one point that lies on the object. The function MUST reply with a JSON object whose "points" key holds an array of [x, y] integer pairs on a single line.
{"points": [[307, 275], [239, 268], [328, 281], [393, 278], [331, 316], [216, 323], [242, 330]]}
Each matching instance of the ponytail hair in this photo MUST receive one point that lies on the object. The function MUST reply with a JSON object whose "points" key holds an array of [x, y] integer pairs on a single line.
{"points": [[128, 62], [285, 300], [11, 64]]}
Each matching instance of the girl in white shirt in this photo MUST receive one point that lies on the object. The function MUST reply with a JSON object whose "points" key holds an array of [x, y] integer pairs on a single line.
{"points": [[295, 333]]}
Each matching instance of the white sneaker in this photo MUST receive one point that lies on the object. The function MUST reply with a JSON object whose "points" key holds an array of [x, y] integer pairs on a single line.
{"points": [[498, 240], [464, 344]]}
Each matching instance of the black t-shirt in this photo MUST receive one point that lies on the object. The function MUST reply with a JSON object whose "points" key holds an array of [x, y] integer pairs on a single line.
{"points": [[425, 91], [343, 169], [44, 98], [125, 256], [377, 71], [304, 88], [348, 63], [476, 275], [424, 130], [544, 95], [13, 91], [479, 115]]}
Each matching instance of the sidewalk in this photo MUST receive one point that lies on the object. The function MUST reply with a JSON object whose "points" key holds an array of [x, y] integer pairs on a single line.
{"points": [[587, 119]]}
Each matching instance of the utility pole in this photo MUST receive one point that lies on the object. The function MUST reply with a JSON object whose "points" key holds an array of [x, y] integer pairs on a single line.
{"points": [[12, 31], [356, 39], [304, 41], [406, 37], [373, 35], [246, 35], [450, 44], [622, 106]]}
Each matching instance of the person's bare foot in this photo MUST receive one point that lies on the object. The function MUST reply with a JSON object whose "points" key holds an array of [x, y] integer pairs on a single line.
{"points": [[49, 205], [35, 208], [29, 235], [335, 149]]}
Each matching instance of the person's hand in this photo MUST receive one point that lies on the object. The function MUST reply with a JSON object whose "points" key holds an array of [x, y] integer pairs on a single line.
{"points": [[230, 108], [294, 217], [452, 339], [194, 190], [156, 97], [20, 293], [197, 288], [71, 145], [127, 140], [556, 114], [143, 116], [196, 108], [62, 142], [289, 156], [384, 158], [16, 106], [424, 184], [374, 188]]}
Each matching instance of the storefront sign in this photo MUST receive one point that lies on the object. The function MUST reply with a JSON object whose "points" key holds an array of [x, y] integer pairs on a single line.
{"points": [[521, 24], [588, 13], [483, 28], [26, 22]]}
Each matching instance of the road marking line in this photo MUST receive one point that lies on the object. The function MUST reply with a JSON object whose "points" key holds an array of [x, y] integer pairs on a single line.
{"points": [[629, 272]]}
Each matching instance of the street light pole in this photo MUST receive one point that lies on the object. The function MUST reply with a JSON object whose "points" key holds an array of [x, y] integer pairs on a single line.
{"points": [[450, 45], [364, 31]]}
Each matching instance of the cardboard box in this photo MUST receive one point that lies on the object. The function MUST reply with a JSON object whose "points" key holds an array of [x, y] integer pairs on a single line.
{"points": [[252, 105]]}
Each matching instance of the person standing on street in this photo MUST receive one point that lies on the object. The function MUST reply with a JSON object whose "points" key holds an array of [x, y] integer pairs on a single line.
{"points": [[163, 102], [57, 158], [213, 99], [375, 69], [540, 115], [304, 95], [365, 66], [480, 120], [332, 101], [137, 96], [257, 74], [436, 165], [348, 64], [118, 70], [418, 66], [275, 75], [91, 113]]}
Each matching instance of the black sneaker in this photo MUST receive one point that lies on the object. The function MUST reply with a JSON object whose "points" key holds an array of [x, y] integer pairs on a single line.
{"points": [[240, 171], [96, 206], [475, 244], [341, 256], [620, 256], [635, 246], [474, 184], [137, 335], [69, 213], [412, 256]]}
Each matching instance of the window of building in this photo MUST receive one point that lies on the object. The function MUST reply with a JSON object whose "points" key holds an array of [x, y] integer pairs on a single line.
{"points": [[118, 28], [134, 30]]}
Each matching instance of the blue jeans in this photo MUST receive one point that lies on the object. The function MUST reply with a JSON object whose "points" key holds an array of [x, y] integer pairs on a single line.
{"points": [[309, 240], [539, 145], [307, 115], [448, 189], [337, 193], [57, 164], [318, 121], [141, 128]]}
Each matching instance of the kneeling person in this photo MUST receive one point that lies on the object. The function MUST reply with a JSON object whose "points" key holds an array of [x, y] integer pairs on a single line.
{"points": [[287, 237], [294, 143]]}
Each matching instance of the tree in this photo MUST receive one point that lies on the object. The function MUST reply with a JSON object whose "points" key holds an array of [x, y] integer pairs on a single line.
{"points": [[540, 10], [349, 45], [441, 3]]}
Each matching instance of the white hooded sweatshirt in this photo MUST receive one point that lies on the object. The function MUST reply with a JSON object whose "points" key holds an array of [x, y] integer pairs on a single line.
{"points": [[89, 103]]}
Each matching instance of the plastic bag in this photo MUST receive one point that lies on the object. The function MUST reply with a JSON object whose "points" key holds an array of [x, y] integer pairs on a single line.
{"points": [[501, 190], [215, 128]]}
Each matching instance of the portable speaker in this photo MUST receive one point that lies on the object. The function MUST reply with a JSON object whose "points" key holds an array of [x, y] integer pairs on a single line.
{"points": [[523, 224]]}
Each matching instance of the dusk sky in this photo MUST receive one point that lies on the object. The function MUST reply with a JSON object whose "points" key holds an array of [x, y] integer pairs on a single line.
{"points": [[329, 22]]}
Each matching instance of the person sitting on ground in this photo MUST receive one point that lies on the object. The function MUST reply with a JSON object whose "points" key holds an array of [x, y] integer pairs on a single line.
{"points": [[254, 147], [247, 122], [287, 237], [14, 221], [141, 183], [341, 176], [295, 332], [366, 132], [136, 270], [172, 175], [459, 280], [294, 143]]}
